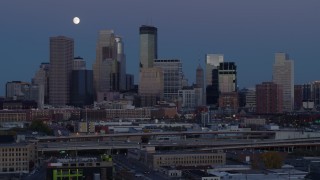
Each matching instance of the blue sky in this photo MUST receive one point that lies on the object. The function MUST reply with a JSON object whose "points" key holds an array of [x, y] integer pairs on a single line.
{"points": [[247, 32]]}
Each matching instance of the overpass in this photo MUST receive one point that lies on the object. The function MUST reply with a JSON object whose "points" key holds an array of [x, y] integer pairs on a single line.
{"points": [[88, 137], [204, 144]]}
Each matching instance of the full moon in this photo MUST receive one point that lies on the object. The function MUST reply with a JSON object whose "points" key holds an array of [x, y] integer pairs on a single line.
{"points": [[76, 20]]}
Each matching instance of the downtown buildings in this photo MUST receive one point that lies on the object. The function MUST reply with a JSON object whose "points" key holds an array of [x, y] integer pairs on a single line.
{"points": [[160, 79], [221, 83]]}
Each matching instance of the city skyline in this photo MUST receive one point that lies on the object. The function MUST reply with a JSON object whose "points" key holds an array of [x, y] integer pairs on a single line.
{"points": [[247, 33]]}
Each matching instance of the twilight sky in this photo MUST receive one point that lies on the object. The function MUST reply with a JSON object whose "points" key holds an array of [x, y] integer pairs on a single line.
{"points": [[247, 32]]}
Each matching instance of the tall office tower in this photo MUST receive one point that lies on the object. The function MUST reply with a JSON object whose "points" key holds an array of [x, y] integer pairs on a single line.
{"points": [[81, 84], [212, 62], [269, 98], [212, 90], [81, 88], [129, 81], [283, 74], [121, 58], [308, 100], [61, 56], [227, 77], [41, 78], [307, 92], [212, 78], [228, 96], [316, 93], [78, 63], [151, 86], [105, 67], [200, 82], [199, 77], [172, 74], [148, 46], [298, 96]]}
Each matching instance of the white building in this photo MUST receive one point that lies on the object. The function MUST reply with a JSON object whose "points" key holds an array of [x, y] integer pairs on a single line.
{"points": [[227, 77], [190, 98], [212, 62], [172, 77]]}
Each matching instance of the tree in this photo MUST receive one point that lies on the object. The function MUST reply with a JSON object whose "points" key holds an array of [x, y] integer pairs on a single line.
{"points": [[144, 139], [39, 126], [272, 160], [70, 127]]}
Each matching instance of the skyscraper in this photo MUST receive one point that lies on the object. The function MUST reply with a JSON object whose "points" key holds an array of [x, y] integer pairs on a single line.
{"points": [[227, 77], [61, 56], [200, 82], [283, 74], [105, 67], [298, 96], [41, 78], [212, 62], [81, 84], [81, 88], [172, 77], [148, 46], [78, 63], [199, 77], [121, 59], [151, 78], [151, 86], [212, 90], [223, 89], [316, 93], [212, 78]]}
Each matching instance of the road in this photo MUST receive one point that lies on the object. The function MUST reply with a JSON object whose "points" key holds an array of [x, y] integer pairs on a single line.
{"points": [[138, 168]]}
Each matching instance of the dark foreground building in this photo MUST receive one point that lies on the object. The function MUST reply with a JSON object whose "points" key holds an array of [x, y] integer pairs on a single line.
{"points": [[81, 168]]}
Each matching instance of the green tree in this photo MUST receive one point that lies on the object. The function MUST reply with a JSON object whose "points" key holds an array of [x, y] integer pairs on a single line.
{"points": [[38, 125]]}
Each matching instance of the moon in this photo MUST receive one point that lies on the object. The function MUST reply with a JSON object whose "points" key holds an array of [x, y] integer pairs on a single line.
{"points": [[76, 20]]}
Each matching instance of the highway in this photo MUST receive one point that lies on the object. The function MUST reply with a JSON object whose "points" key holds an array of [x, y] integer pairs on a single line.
{"points": [[192, 143], [137, 169], [183, 133]]}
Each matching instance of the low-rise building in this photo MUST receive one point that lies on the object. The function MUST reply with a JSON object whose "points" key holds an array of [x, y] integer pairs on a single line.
{"points": [[17, 158], [14, 116], [254, 121], [199, 175], [158, 159], [81, 168]]}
